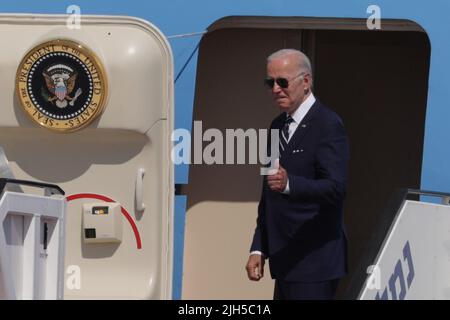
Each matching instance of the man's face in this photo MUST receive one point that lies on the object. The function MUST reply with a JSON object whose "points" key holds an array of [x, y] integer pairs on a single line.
{"points": [[287, 99]]}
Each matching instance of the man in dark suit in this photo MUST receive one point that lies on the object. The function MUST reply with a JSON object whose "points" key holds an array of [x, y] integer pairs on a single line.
{"points": [[300, 225]]}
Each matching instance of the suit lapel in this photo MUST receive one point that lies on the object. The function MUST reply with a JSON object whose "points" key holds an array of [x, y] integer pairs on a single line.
{"points": [[302, 128]]}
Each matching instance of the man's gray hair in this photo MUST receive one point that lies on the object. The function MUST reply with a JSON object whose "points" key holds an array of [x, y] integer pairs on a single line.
{"points": [[303, 61]]}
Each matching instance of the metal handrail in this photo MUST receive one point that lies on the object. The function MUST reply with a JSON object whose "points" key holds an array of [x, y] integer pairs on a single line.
{"points": [[427, 193], [52, 187]]}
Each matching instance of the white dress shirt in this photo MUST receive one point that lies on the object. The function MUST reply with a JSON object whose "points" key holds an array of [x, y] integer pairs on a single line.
{"points": [[298, 116]]}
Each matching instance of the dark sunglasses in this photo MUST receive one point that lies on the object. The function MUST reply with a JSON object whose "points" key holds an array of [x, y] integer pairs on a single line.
{"points": [[281, 82]]}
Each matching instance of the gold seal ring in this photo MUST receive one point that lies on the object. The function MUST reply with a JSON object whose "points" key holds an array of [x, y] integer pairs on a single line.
{"points": [[62, 85]]}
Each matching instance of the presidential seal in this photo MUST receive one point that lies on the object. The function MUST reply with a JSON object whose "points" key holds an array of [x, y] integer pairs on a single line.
{"points": [[61, 85]]}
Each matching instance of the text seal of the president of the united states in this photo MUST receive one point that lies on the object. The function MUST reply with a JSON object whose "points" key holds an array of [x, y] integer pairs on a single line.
{"points": [[61, 85]]}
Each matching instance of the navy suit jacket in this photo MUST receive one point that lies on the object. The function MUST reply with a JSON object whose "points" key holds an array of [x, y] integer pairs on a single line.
{"points": [[303, 233]]}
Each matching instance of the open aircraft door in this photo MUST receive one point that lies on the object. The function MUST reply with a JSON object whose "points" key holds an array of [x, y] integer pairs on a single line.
{"points": [[90, 109]]}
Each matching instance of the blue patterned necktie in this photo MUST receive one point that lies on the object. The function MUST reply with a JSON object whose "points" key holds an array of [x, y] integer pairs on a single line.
{"points": [[284, 134]]}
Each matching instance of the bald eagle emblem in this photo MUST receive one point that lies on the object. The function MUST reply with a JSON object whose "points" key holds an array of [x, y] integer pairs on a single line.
{"points": [[60, 82]]}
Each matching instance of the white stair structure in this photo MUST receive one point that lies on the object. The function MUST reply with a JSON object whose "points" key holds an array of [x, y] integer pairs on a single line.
{"points": [[32, 242], [410, 260]]}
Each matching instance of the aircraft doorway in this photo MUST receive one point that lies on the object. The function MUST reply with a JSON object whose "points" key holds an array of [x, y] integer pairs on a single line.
{"points": [[376, 81]]}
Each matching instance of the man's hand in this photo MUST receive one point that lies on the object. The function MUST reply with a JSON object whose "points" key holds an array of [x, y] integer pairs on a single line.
{"points": [[278, 181], [255, 267]]}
